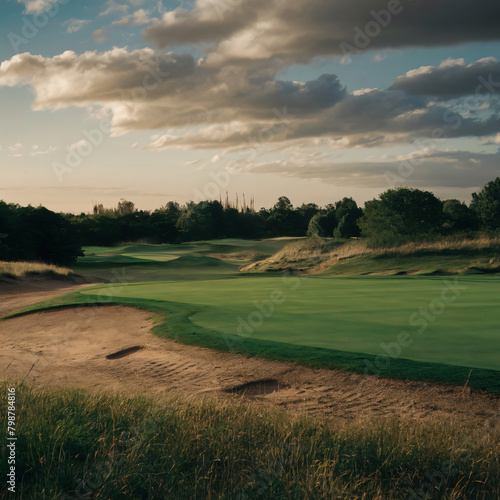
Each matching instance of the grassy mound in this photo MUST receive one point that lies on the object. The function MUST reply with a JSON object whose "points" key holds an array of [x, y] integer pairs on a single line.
{"points": [[180, 262], [355, 257], [104, 446]]}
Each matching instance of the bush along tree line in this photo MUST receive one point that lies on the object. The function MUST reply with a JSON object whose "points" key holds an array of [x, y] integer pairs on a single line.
{"points": [[398, 215]]}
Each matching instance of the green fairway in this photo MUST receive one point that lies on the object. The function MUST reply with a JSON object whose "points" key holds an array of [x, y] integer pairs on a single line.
{"points": [[359, 315], [183, 262], [422, 327]]}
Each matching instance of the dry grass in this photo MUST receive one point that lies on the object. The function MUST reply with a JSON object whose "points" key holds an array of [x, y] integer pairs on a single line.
{"points": [[479, 243], [21, 269], [309, 256], [82, 445], [313, 256], [248, 255]]}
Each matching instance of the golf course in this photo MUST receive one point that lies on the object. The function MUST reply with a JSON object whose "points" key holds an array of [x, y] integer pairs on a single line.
{"points": [[422, 326], [369, 369]]}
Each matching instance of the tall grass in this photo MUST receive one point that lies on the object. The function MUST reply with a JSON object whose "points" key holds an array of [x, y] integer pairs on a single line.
{"points": [[74, 444], [316, 255], [20, 269]]}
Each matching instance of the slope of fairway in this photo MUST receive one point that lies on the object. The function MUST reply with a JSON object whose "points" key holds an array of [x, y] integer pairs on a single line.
{"points": [[421, 264], [180, 262], [358, 315]]}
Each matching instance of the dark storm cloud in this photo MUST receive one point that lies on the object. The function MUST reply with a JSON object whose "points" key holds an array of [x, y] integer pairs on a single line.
{"points": [[256, 29], [452, 79]]}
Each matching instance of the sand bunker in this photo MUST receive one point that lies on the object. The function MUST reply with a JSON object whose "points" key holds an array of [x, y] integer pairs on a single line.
{"points": [[112, 348]]}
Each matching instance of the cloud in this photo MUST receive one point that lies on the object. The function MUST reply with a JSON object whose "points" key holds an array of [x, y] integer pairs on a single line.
{"points": [[148, 91], [266, 29], [36, 151], [100, 35], [18, 150], [112, 6], [456, 169], [492, 140], [118, 192], [138, 18], [380, 57], [451, 78], [79, 144], [206, 106], [74, 25], [37, 6]]}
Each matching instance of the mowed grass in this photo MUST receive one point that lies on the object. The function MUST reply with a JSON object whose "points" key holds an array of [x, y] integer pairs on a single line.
{"points": [[183, 262], [358, 315], [74, 444]]}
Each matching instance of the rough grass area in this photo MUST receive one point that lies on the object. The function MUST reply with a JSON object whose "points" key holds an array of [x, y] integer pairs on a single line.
{"points": [[22, 269], [356, 257], [74, 444]]}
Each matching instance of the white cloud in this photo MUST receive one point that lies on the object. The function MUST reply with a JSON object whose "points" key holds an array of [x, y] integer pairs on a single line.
{"points": [[18, 150], [138, 18], [74, 25], [37, 6], [79, 144], [491, 140], [112, 6], [380, 57], [36, 151]]}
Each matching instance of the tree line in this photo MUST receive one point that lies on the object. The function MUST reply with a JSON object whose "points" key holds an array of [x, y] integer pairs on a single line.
{"points": [[398, 215]]}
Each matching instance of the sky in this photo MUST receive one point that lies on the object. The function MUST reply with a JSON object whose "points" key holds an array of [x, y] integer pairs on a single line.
{"points": [[154, 101]]}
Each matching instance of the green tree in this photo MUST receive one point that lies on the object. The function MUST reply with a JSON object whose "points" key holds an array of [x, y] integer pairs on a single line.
{"points": [[283, 219], [486, 204], [348, 214], [400, 215], [319, 226], [458, 217]]}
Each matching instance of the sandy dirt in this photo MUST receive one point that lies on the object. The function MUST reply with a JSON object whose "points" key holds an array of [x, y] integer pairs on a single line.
{"points": [[19, 293], [112, 348]]}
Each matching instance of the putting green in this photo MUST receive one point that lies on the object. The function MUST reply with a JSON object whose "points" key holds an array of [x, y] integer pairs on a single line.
{"points": [[450, 321]]}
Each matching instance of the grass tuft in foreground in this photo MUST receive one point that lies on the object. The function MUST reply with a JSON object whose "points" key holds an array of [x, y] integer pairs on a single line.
{"points": [[73, 444]]}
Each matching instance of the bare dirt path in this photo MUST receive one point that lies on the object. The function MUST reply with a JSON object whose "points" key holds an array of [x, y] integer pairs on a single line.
{"points": [[112, 348], [19, 293]]}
